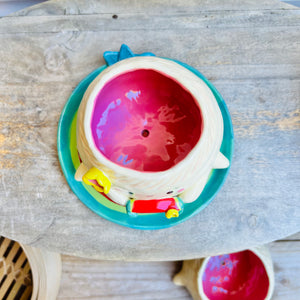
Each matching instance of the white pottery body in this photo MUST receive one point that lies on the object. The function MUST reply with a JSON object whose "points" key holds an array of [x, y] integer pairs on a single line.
{"points": [[190, 174], [46, 270]]}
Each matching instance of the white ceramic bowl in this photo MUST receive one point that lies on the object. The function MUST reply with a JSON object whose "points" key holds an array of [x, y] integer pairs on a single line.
{"points": [[152, 127]]}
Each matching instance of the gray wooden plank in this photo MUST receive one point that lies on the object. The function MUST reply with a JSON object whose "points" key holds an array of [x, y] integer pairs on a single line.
{"points": [[65, 7], [67, 56], [252, 20], [293, 2], [92, 279], [24, 1], [89, 279], [9, 7], [286, 260], [294, 237]]}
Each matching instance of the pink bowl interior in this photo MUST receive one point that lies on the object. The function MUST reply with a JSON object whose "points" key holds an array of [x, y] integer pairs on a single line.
{"points": [[146, 121], [235, 276]]}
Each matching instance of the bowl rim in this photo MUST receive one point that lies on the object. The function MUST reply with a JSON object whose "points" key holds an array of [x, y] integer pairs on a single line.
{"points": [[191, 106]]}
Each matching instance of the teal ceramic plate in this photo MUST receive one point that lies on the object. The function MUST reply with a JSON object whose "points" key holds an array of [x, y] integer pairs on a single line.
{"points": [[68, 157]]}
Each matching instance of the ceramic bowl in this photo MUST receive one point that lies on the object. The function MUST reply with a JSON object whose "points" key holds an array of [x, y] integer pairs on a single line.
{"points": [[27, 272], [246, 275], [243, 275], [152, 128]]}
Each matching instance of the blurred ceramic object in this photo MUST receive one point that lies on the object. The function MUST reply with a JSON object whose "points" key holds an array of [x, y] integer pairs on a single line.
{"points": [[149, 129], [46, 272], [27, 272], [246, 275]]}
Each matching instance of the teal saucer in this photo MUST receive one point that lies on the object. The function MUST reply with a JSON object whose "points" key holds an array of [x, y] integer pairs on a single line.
{"points": [[68, 157]]}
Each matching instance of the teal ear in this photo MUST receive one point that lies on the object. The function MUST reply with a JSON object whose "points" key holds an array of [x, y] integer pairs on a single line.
{"points": [[111, 57]]}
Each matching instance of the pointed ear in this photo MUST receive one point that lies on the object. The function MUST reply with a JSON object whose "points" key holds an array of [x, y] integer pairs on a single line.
{"points": [[82, 169], [221, 162]]}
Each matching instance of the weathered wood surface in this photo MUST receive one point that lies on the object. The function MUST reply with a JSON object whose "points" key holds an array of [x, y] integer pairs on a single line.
{"points": [[92, 279], [250, 52], [66, 7], [294, 237]]}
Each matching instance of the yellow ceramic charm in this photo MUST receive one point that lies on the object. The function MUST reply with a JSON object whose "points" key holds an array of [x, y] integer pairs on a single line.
{"points": [[172, 213], [97, 179]]}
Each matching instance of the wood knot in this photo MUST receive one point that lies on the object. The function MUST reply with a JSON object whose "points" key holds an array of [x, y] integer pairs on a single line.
{"points": [[252, 221], [55, 59]]}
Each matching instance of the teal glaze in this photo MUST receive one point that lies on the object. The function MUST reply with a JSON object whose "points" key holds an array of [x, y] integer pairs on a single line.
{"points": [[139, 221], [129, 209], [111, 57]]}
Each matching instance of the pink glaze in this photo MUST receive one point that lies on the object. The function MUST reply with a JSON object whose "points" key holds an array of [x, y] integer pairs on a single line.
{"points": [[146, 121], [235, 276]]}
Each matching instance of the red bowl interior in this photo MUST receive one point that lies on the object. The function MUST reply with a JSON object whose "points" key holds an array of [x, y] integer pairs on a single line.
{"points": [[235, 276], [146, 121]]}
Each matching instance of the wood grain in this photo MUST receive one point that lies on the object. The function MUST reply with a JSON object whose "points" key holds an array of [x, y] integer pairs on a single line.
{"points": [[65, 7], [92, 279], [147, 22], [250, 52]]}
